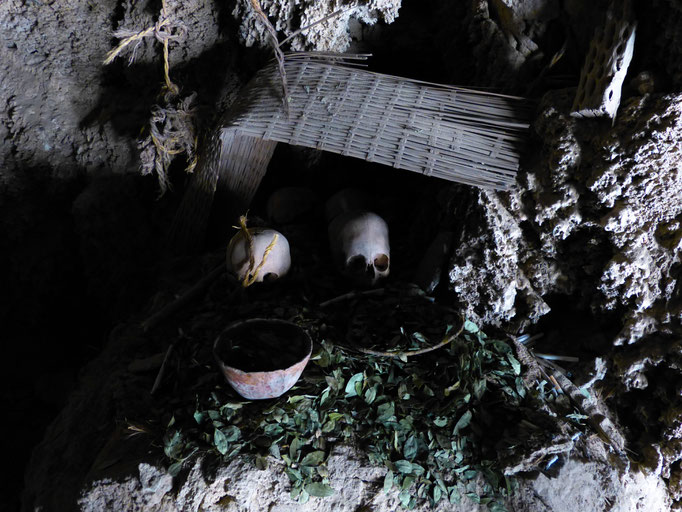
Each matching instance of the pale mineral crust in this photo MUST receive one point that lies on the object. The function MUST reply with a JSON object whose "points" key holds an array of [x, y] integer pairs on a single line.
{"points": [[330, 35], [596, 216]]}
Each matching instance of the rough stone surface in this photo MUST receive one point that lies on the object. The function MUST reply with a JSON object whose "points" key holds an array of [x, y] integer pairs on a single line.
{"points": [[239, 486], [504, 35], [331, 35], [64, 110], [591, 486], [596, 216]]}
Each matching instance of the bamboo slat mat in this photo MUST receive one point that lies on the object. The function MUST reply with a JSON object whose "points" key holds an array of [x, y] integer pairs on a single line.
{"points": [[453, 133]]}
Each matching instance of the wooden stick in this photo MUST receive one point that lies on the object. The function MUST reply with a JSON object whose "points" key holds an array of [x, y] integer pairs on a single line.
{"points": [[412, 353], [162, 370], [193, 293], [352, 295]]}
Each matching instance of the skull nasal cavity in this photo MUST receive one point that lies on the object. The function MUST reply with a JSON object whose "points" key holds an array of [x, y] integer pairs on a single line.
{"points": [[381, 263]]}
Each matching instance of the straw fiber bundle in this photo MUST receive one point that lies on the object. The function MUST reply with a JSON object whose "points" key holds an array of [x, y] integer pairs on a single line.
{"points": [[457, 134]]}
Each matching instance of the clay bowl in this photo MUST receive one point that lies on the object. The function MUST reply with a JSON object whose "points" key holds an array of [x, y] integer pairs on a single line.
{"points": [[262, 358]]}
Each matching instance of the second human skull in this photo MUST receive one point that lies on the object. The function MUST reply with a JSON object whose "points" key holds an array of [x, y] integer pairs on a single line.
{"points": [[359, 244]]}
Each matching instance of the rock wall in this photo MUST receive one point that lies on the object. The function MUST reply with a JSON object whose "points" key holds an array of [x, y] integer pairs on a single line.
{"points": [[596, 217], [332, 35], [240, 486]]}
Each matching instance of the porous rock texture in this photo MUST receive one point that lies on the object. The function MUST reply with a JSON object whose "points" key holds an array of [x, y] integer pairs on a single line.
{"points": [[330, 35], [240, 486], [597, 217]]}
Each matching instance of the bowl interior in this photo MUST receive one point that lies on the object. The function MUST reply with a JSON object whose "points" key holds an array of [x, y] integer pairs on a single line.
{"points": [[262, 345]]}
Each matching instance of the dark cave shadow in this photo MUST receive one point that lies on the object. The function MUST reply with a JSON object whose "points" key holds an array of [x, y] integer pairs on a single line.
{"points": [[77, 255]]}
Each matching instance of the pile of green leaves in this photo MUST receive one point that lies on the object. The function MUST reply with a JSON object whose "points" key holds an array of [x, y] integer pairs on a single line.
{"points": [[434, 421]]}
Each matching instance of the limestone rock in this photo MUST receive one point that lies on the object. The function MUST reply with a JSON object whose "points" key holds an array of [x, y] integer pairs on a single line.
{"points": [[597, 215], [331, 35]]}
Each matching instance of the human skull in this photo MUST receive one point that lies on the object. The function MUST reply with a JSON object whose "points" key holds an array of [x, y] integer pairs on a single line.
{"points": [[359, 244], [277, 262]]}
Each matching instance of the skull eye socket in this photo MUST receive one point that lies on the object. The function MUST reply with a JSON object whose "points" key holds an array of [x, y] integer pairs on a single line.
{"points": [[381, 263], [270, 276], [357, 264]]}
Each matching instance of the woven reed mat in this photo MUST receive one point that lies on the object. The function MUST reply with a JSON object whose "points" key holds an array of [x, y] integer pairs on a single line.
{"points": [[457, 134]]}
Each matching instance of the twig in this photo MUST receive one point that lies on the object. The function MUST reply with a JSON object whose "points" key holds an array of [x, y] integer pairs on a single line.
{"points": [[162, 370], [412, 353], [553, 357], [603, 425], [314, 23], [279, 55], [352, 295], [193, 293]]}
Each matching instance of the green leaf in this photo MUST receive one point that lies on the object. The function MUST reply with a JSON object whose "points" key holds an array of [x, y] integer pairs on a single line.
{"points": [[404, 497], [440, 421], [294, 475], [408, 481], [351, 386], [319, 489], [516, 366], [295, 448], [174, 445], [473, 497], [463, 422], [328, 426], [324, 397], [313, 459], [404, 466], [410, 448], [199, 417], [497, 507], [220, 441], [479, 388], [175, 468], [437, 494], [471, 327], [454, 495], [386, 412], [371, 394], [232, 433], [273, 430], [417, 469], [388, 481]]}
